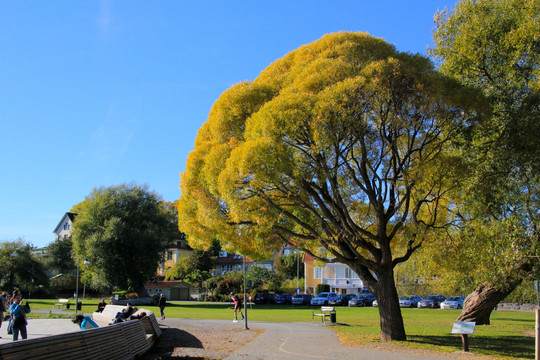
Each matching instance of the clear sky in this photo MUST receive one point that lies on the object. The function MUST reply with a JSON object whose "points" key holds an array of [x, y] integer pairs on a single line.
{"points": [[99, 93]]}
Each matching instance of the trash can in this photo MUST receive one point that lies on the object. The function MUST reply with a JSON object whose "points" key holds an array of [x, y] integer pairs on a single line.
{"points": [[333, 318], [201, 298], [79, 305], [68, 305]]}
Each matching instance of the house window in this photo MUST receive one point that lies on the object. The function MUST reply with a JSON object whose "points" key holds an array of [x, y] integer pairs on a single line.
{"points": [[318, 272], [169, 255]]}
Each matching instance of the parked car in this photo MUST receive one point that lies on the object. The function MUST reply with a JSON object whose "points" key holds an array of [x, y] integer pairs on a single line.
{"points": [[283, 299], [301, 299], [264, 298], [366, 299], [342, 300], [453, 302], [323, 298], [431, 301], [409, 301]]}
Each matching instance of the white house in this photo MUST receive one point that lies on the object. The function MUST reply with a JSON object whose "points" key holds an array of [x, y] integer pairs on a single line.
{"points": [[63, 229]]}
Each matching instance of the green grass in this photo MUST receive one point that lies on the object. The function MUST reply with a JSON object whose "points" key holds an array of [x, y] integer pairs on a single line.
{"points": [[511, 335]]}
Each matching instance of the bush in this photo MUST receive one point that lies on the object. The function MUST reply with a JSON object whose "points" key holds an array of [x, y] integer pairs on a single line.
{"points": [[322, 288]]}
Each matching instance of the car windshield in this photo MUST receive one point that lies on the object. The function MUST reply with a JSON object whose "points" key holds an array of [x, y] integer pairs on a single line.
{"points": [[322, 295], [406, 298], [453, 298], [430, 297]]}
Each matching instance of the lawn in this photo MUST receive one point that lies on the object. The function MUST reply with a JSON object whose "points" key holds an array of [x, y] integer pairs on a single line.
{"points": [[510, 336]]}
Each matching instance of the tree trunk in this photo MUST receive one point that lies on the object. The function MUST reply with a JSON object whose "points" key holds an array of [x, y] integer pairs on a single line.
{"points": [[479, 304], [141, 292], [391, 321]]}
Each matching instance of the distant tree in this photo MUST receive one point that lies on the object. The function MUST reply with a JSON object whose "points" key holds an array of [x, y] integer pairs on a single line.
{"points": [[263, 279], [494, 45], [288, 267], [60, 256], [123, 231], [19, 268], [196, 268]]}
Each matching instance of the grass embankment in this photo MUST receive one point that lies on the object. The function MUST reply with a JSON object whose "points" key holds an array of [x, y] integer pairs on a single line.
{"points": [[510, 336]]}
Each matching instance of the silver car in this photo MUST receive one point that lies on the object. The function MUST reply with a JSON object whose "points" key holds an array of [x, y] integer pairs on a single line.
{"points": [[410, 301], [453, 302]]}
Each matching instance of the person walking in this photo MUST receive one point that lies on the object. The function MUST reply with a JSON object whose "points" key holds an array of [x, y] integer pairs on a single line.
{"points": [[161, 304], [18, 313], [3, 307], [237, 308]]}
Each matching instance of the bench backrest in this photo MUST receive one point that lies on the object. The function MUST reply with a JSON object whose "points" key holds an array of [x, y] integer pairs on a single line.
{"points": [[327, 308], [63, 301], [107, 315], [125, 340]]}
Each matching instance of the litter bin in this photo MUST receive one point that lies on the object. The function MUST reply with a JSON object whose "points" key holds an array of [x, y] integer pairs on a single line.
{"points": [[79, 305], [201, 298], [68, 305], [333, 318]]}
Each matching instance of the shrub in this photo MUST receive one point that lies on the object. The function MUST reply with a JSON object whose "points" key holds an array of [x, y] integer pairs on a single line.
{"points": [[131, 296], [322, 288]]}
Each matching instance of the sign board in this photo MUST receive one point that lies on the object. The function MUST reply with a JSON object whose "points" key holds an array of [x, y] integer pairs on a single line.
{"points": [[463, 327]]}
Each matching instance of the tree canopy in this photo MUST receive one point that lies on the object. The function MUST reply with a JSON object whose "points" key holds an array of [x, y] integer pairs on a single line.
{"points": [[495, 47], [341, 149], [19, 269], [123, 232]]}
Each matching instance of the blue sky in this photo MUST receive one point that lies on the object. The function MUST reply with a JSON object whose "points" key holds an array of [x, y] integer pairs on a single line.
{"points": [[99, 93]]}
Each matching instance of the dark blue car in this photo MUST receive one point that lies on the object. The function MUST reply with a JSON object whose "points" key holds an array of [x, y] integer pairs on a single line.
{"points": [[283, 299]]}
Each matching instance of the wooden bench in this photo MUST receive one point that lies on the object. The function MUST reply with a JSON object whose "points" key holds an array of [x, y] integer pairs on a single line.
{"points": [[61, 303], [126, 340], [326, 311], [107, 315]]}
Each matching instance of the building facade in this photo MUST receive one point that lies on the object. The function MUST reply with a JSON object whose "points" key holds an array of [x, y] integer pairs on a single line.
{"points": [[341, 278]]}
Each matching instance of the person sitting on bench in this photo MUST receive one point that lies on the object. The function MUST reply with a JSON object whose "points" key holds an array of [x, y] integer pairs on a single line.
{"points": [[124, 314]]}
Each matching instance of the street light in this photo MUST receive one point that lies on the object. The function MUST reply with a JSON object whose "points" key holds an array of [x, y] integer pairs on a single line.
{"points": [[86, 262]]}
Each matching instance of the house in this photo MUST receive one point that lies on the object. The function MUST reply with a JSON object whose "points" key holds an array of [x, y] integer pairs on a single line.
{"points": [[176, 250], [341, 278], [173, 290], [63, 229], [228, 262]]}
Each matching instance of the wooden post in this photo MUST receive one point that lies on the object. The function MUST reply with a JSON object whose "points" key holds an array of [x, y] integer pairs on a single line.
{"points": [[465, 340], [537, 342]]}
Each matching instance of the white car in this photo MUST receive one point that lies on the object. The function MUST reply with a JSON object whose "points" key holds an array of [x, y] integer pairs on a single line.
{"points": [[453, 302], [323, 298]]}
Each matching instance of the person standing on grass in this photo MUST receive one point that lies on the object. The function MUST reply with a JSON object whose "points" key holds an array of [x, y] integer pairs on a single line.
{"points": [[237, 308], [161, 304], [18, 313]]}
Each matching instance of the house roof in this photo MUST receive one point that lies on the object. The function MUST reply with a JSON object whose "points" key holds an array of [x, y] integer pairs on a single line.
{"points": [[232, 259], [165, 284], [71, 216]]}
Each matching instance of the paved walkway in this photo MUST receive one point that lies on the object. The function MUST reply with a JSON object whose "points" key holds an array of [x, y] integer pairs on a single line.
{"points": [[279, 341]]}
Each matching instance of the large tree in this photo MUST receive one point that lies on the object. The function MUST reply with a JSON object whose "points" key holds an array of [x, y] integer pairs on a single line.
{"points": [[494, 45], [122, 231], [340, 149], [19, 269]]}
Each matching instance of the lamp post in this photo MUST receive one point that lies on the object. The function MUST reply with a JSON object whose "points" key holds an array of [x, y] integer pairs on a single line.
{"points": [[245, 294], [86, 262], [77, 285]]}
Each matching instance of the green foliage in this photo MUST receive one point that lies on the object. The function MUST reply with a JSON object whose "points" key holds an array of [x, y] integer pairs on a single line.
{"points": [[196, 268], [59, 256], [232, 282], [263, 279], [288, 266], [322, 288], [494, 46], [123, 231], [19, 269]]}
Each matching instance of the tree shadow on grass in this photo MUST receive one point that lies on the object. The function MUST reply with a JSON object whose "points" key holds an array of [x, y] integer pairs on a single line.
{"points": [[511, 346]]}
